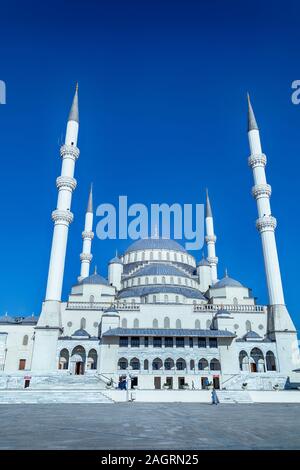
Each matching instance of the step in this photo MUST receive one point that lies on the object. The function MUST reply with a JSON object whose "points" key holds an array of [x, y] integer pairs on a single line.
{"points": [[229, 396], [52, 396]]}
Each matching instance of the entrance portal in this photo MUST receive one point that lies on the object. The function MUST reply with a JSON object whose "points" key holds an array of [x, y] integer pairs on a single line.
{"points": [[79, 368]]}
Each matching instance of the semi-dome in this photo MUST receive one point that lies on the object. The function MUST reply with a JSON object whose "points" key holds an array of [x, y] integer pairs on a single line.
{"points": [[188, 292], [222, 313], [111, 309], [155, 244], [159, 269], [82, 333], [94, 279]]}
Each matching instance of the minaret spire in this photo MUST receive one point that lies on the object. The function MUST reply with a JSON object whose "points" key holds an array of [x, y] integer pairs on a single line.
{"points": [[49, 324], [279, 318], [87, 236], [252, 124], [211, 240]]}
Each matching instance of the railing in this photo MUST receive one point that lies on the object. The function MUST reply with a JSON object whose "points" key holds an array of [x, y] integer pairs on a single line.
{"points": [[101, 306], [230, 308]]}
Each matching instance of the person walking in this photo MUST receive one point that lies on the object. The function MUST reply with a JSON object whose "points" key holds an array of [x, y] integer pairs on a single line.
{"points": [[214, 397]]}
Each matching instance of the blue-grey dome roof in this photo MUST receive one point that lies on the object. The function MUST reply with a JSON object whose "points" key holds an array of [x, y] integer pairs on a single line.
{"points": [[160, 269], [203, 262], [111, 310], [251, 335], [115, 260], [80, 332], [188, 292], [94, 279], [155, 244], [227, 282]]}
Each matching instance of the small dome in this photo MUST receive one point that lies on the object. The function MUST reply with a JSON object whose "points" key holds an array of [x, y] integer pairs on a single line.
{"points": [[222, 313], [155, 244], [227, 281], [115, 260], [81, 332], [111, 310], [203, 262], [251, 335], [94, 279]]}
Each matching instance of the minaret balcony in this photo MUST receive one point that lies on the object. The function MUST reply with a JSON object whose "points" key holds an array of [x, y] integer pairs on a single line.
{"points": [[266, 223], [210, 238], [88, 235], [259, 159], [70, 151], [213, 259], [86, 257], [261, 190], [61, 216], [66, 182]]}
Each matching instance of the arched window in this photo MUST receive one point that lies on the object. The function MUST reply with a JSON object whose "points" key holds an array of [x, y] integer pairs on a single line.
{"points": [[177, 299], [143, 256], [179, 280], [180, 364], [169, 364], [175, 256], [155, 280], [182, 258], [235, 301], [192, 364], [151, 255], [257, 362], [136, 323], [63, 359], [92, 359], [270, 361], [163, 280], [159, 255], [157, 364], [197, 325], [146, 364], [203, 364], [124, 323], [186, 281], [208, 324], [166, 298], [154, 299], [146, 280], [135, 364], [168, 256], [122, 363], [82, 323], [139, 281], [178, 323], [166, 322], [92, 299], [25, 340], [244, 361], [133, 301], [135, 256], [248, 325], [155, 323], [215, 364], [171, 280]]}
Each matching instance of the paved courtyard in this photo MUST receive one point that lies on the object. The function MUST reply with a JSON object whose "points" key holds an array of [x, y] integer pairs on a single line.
{"points": [[150, 426]]}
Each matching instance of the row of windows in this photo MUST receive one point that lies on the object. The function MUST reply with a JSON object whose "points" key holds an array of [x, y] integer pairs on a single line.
{"points": [[169, 364], [154, 255], [161, 280], [169, 342], [166, 323]]}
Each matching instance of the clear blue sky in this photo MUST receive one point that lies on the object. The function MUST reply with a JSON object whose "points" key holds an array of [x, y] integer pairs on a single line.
{"points": [[163, 115]]}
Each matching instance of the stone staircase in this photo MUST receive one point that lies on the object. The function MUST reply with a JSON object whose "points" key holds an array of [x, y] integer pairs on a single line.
{"points": [[52, 396], [234, 396]]}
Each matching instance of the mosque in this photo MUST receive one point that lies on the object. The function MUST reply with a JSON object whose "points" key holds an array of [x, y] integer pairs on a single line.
{"points": [[160, 319]]}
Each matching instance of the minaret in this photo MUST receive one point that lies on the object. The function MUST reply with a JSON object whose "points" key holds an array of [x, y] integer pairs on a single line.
{"points": [[280, 325], [49, 324], [211, 240], [87, 236]]}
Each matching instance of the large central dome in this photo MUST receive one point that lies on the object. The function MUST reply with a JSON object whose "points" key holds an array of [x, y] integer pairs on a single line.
{"points": [[155, 244]]}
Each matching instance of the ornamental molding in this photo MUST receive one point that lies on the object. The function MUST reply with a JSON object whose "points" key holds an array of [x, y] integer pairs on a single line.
{"points": [[210, 238], [66, 182], [88, 234], [86, 257], [62, 216], [70, 151], [213, 259], [257, 159], [266, 223], [261, 190]]}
